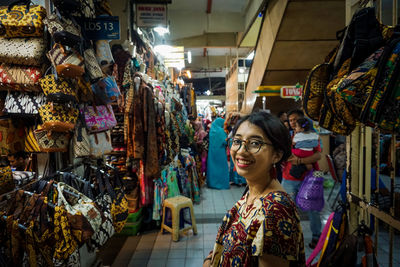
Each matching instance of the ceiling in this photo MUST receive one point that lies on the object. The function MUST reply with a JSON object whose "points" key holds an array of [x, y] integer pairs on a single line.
{"points": [[213, 38], [216, 5]]}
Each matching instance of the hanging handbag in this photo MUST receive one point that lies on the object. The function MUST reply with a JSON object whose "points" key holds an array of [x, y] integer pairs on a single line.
{"points": [[106, 90], [58, 118], [92, 66], [81, 142], [23, 51], [31, 144], [24, 103], [67, 63], [11, 137], [20, 78], [6, 180], [63, 30], [103, 53], [311, 192], [86, 10], [66, 7], [104, 201], [82, 204], [58, 89], [91, 145], [100, 144], [51, 142], [119, 207], [99, 118], [22, 21]]}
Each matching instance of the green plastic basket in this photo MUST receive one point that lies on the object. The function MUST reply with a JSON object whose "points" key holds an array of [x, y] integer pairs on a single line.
{"points": [[135, 216], [131, 228]]}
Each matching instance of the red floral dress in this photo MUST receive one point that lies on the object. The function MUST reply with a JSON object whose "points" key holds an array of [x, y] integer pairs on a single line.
{"points": [[271, 225]]}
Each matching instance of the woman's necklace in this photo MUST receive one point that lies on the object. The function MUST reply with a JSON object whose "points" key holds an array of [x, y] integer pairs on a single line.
{"points": [[246, 205]]}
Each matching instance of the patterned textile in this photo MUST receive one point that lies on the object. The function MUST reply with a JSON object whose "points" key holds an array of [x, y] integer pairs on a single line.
{"points": [[271, 225], [151, 168]]}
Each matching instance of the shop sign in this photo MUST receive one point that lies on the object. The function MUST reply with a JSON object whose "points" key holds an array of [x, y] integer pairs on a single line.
{"points": [[291, 91], [148, 15], [101, 28]]}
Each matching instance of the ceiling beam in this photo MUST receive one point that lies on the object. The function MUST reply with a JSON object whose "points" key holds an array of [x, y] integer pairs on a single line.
{"points": [[209, 5], [207, 40]]}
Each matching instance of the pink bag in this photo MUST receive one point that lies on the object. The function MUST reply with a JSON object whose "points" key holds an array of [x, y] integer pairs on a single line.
{"points": [[99, 118]]}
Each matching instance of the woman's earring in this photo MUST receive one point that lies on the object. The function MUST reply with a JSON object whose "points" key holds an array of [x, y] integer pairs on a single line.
{"points": [[274, 165]]}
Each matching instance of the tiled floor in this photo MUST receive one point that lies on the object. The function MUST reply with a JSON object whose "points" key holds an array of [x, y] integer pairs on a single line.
{"points": [[157, 250]]}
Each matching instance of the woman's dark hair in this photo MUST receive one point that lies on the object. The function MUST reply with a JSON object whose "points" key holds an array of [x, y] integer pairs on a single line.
{"points": [[273, 128], [296, 111], [305, 124]]}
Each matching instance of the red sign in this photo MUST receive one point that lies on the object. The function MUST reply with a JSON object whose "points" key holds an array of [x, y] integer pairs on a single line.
{"points": [[291, 91]]}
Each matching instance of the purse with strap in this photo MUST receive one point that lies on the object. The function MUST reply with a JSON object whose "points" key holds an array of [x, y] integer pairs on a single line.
{"points": [[31, 144], [106, 90], [67, 63], [58, 89], [104, 201], [82, 205], [24, 103], [63, 30], [23, 51], [99, 118], [92, 66], [51, 141], [20, 78], [22, 21], [311, 192], [58, 118]]}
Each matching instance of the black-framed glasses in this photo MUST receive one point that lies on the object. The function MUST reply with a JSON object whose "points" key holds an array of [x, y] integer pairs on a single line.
{"points": [[251, 145]]}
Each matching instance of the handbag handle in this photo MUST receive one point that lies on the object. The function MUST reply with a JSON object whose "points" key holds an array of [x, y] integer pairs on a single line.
{"points": [[24, 2]]}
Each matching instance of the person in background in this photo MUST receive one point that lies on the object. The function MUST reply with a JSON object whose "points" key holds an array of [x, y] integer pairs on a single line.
{"points": [[292, 185], [304, 142], [230, 123], [263, 228], [217, 165], [18, 161], [282, 115]]}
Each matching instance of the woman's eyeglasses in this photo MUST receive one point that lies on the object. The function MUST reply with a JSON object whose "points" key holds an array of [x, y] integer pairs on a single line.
{"points": [[251, 145]]}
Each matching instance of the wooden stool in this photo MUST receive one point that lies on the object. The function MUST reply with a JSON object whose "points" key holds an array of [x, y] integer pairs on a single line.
{"points": [[176, 205]]}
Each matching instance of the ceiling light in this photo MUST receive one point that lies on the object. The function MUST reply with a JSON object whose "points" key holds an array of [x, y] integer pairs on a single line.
{"points": [[161, 30], [208, 92], [189, 57], [251, 55]]}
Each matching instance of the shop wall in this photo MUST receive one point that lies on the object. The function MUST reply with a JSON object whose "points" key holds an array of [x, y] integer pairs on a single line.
{"points": [[120, 8], [294, 38]]}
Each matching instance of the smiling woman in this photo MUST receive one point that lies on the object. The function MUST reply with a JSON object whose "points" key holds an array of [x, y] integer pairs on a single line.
{"points": [[263, 228]]}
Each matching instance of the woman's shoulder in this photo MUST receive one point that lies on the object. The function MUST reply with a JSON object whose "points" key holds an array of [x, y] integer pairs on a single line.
{"points": [[279, 201]]}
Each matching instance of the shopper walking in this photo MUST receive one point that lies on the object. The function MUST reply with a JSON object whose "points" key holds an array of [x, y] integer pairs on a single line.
{"points": [[217, 165], [263, 228], [292, 185]]}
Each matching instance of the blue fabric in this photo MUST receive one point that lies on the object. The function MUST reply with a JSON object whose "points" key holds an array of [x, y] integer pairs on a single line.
{"points": [[234, 177], [292, 188], [307, 144], [217, 164]]}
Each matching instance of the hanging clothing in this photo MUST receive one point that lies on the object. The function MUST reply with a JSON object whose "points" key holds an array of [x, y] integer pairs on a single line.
{"points": [[234, 177], [217, 165]]}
